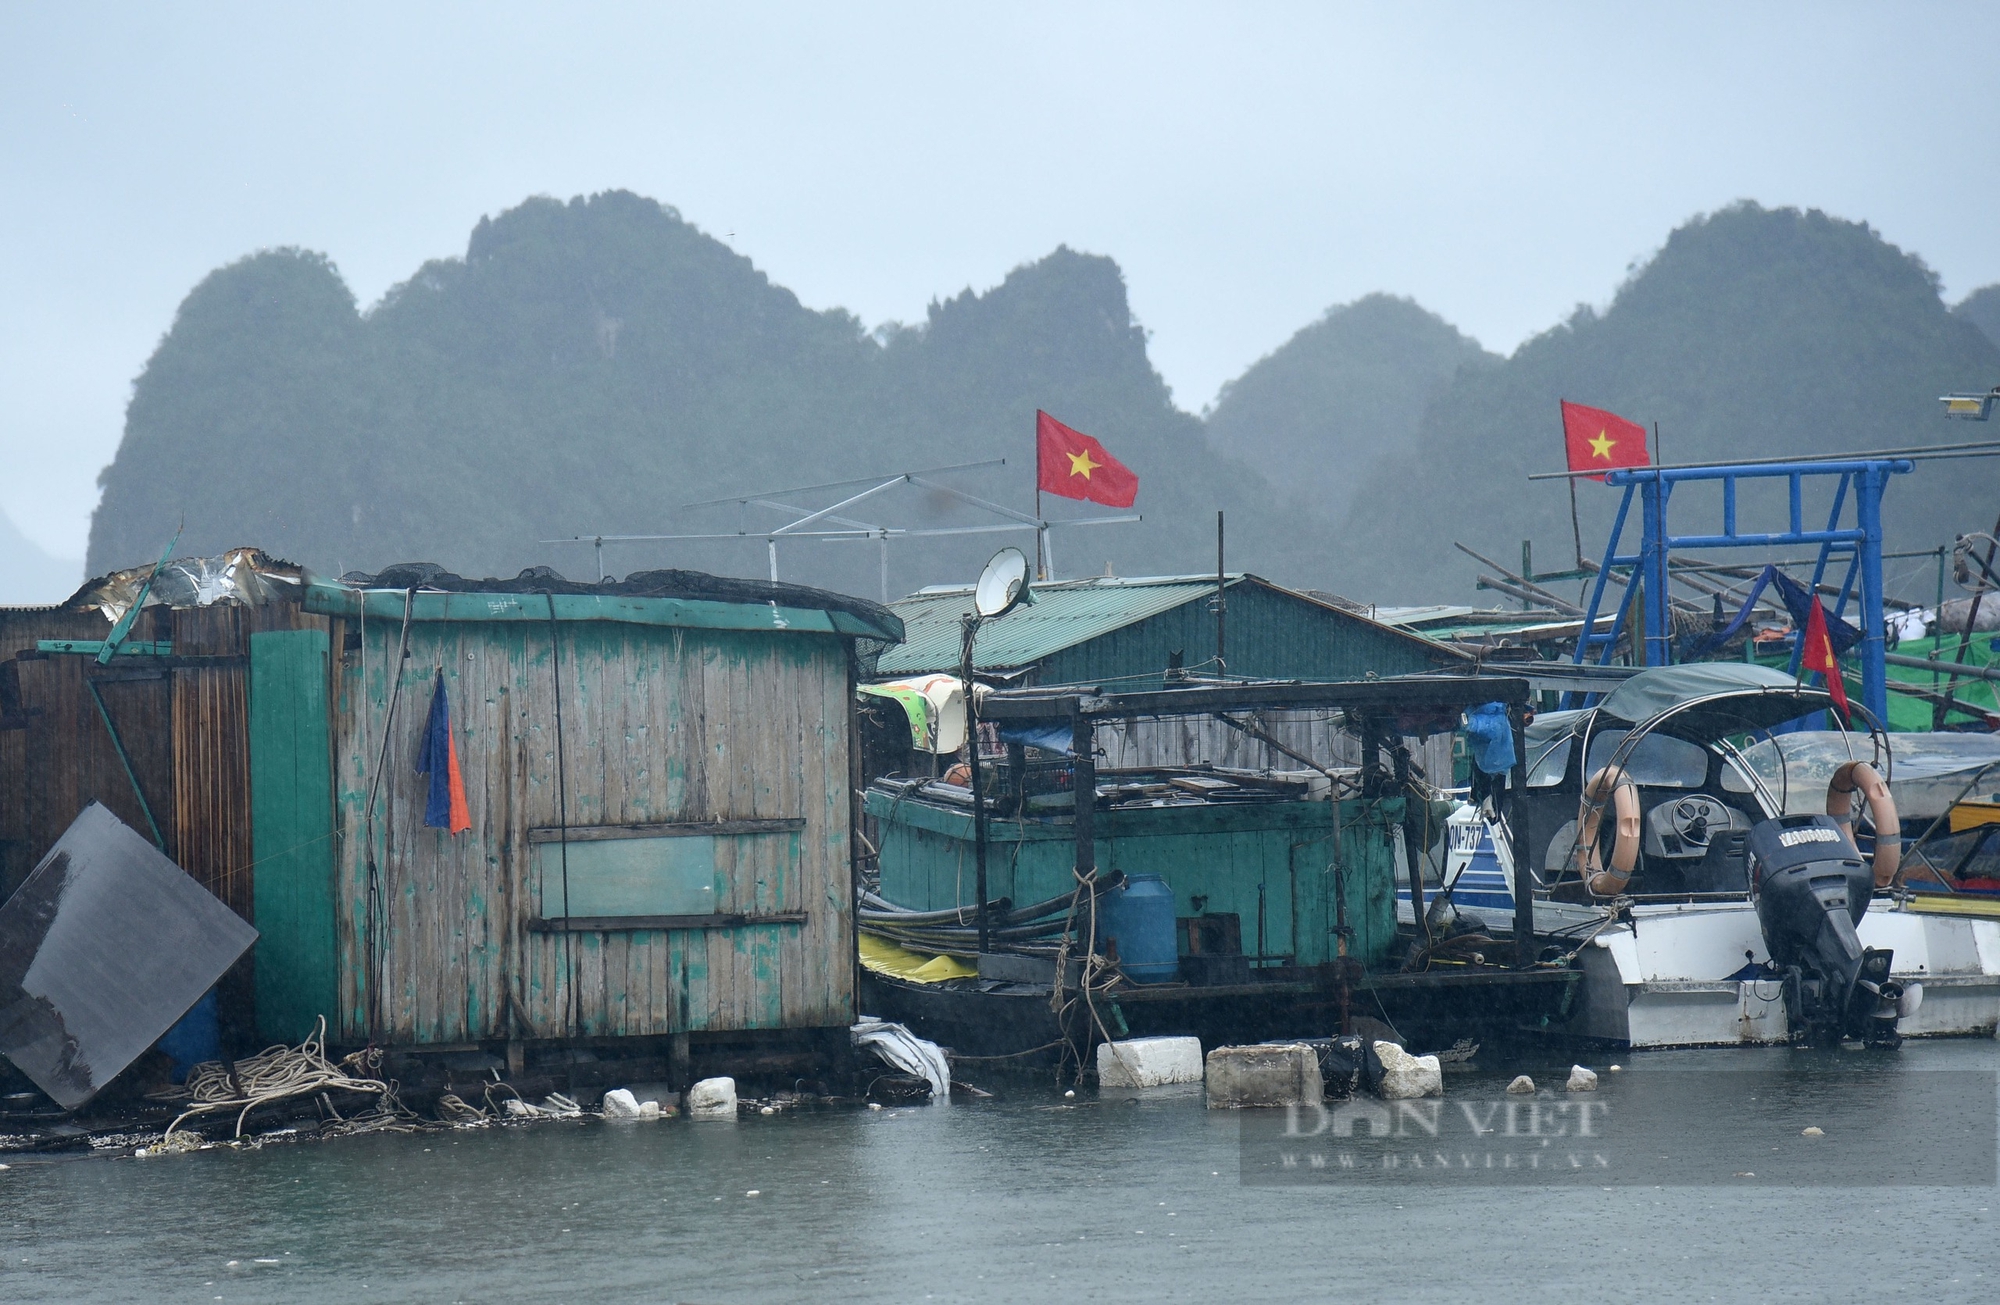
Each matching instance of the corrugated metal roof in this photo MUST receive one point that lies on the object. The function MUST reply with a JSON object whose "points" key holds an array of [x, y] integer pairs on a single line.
{"points": [[1065, 613]]}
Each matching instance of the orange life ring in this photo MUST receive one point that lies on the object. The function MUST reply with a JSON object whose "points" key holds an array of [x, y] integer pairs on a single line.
{"points": [[1609, 783], [1859, 776]]}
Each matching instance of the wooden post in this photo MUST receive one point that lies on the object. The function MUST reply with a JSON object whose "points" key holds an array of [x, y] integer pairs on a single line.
{"points": [[1082, 734], [680, 1061], [1413, 838], [1520, 843]]}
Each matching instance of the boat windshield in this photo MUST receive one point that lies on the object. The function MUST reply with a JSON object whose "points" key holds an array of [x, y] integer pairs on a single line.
{"points": [[1656, 761], [1547, 768]]}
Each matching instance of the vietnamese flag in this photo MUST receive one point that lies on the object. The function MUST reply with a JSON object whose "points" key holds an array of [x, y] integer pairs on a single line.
{"points": [[1602, 441], [437, 757], [1817, 655], [1070, 463]]}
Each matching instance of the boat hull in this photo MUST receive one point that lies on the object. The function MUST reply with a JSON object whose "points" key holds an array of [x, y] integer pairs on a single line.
{"points": [[1664, 978]]}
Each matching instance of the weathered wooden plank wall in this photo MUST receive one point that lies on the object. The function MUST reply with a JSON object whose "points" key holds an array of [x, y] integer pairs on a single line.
{"points": [[1198, 740], [658, 725], [62, 758], [211, 752]]}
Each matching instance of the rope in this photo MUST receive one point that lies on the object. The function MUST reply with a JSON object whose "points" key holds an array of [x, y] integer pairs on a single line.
{"points": [[376, 912], [279, 1074]]}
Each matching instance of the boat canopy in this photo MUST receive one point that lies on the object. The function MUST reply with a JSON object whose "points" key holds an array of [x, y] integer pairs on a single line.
{"points": [[1653, 691], [1927, 772]]}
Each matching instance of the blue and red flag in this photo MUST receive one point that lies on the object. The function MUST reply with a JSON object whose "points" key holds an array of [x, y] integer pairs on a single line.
{"points": [[438, 758]]}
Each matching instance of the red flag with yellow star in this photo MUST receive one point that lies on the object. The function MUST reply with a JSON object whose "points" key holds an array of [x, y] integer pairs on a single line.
{"points": [[1602, 441], [1817, 655], [1070, 463]]}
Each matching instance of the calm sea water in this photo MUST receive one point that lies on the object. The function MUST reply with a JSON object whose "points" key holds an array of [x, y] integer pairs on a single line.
{"points": [[1024, 1197]]}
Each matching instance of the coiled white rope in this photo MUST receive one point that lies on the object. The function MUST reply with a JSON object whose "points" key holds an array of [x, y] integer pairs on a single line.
{"points": [[277, 1074]]}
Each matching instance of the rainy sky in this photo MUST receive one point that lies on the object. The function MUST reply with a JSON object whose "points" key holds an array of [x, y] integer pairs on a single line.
{"points": [[1247, 165]]}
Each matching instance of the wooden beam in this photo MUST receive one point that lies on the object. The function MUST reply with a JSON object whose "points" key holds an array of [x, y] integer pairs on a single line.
{"points": [[632, 923], [677, 829]]}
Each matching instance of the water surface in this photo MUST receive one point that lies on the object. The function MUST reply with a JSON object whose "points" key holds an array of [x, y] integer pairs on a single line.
{"points": [[1025, 1197]]}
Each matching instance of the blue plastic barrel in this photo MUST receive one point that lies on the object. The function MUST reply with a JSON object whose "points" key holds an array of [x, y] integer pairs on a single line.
{"points": [[195, 1038], [1139, 916]]}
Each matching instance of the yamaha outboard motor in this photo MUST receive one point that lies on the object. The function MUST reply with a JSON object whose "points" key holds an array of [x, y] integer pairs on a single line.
{"points": [[1812, 888]]}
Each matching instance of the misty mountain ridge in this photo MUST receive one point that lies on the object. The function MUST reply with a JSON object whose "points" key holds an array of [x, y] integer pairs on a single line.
{"points": [[589, 365], [1752, 333], [1341, 396]]}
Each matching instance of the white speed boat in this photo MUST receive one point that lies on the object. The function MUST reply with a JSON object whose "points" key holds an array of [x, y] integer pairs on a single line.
{"points": [[1685, 857]]}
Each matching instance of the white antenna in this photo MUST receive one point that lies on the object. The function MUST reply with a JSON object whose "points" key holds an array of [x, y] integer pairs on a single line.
{"points": [[829, 525], [1002, 585]]}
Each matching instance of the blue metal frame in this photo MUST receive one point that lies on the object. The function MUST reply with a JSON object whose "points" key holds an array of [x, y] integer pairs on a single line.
{"points": [[1863, 479]]}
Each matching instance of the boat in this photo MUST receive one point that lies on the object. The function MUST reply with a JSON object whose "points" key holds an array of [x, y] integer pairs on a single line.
{"points": [[1679, 951]]}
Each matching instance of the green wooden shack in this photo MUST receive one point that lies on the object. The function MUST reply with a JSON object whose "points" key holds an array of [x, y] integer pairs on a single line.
{"points": [[1283, 885], [658, 775], [1268, 867]]}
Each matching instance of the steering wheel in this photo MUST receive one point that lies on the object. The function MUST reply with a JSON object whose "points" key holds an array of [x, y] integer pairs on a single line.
{"points": [[1695, 820]]}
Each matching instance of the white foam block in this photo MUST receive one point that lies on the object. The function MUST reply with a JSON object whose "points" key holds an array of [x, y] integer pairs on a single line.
{"points": [[1267, 1076], [1148, 1062]]}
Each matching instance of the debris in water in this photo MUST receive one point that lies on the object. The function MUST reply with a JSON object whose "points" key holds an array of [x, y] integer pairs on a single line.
{"points": [[1522, 1086], [1581, 1079], [1814, 1131]]}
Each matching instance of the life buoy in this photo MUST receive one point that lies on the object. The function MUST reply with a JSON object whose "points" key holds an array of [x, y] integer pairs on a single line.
{"points": [[1859, 776], [1612, 784]]}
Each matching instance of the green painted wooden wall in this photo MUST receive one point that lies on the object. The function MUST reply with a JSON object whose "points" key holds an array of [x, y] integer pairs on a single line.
{"points": [[1221, 853], [659, 725], [291, 820]]}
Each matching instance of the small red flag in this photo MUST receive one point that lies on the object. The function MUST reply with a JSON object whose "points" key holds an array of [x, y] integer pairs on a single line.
{"points": [[1070, 463], [1818, 656], [1602, 441]]}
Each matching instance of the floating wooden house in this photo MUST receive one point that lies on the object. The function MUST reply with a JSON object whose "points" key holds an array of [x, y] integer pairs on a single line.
{"points": [[1283, 888], [658, 775]]}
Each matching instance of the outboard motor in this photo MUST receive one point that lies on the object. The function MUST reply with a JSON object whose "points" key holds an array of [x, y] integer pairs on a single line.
{"points": [[1812, 888]]}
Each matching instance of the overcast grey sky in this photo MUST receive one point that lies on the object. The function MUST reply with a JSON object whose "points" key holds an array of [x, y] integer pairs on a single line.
{"points": [[1247, 165]]}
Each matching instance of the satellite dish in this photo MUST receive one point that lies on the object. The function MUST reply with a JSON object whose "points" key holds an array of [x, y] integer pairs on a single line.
{"points": [[1003, 584]]}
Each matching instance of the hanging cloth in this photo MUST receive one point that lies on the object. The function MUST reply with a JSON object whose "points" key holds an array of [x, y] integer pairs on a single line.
{"points": [[438, 757]]}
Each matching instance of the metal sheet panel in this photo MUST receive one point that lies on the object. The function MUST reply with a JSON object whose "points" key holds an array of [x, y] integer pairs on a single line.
{"points": [[1121, 633], [105, 946]]}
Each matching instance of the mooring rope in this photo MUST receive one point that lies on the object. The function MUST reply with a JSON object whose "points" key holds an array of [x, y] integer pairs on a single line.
{"points": [[278, 1074]]}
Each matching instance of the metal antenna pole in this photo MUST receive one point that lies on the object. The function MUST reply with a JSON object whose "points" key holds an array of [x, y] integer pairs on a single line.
{"points": [[774, 560], [972, 767], [1221, 600]]}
